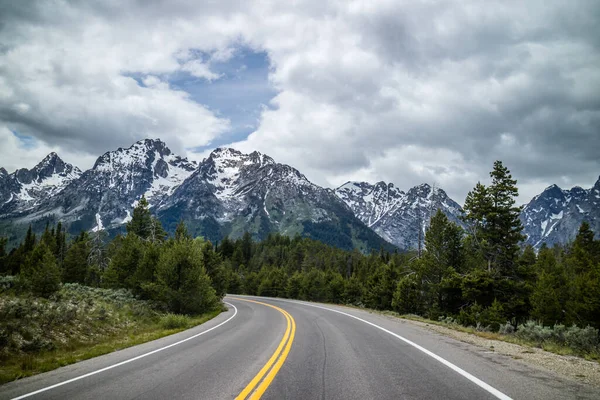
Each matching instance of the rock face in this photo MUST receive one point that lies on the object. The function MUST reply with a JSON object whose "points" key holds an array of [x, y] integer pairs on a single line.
{"points": [[25, 189], [395, 215], [229, 193], [554, 216], [232, 192], [106, 194]]}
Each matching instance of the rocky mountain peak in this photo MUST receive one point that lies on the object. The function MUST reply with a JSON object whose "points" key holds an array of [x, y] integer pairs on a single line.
{"points": [[233, 156], [53, 164], [141, 152], [393, 214], [554, 216]]}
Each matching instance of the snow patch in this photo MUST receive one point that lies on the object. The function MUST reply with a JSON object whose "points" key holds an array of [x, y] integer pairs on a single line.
{"points": [[99, 225], [127, 218]]}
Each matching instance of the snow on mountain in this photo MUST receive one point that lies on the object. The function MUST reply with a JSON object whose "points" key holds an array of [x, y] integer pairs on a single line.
{"points": [[369, 202], [554, 216], [26, 188], [112, 186], [394, 215], [232, 192]]}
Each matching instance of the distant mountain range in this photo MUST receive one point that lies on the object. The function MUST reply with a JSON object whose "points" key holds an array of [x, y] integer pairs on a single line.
{"points": [[554, 216], [229, 193]]}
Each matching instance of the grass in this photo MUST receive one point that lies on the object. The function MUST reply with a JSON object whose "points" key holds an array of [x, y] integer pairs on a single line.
{"points": [[39, 335], [514, 338]]}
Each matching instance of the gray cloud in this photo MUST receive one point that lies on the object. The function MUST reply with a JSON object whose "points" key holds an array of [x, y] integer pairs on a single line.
{"points": [[402, 91]]}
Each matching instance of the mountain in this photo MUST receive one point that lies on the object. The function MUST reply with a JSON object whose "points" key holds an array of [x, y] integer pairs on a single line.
{"points": [[232, 192], [105, 195], [24, 189], [554, 216], [228, 193], [394, 215]]}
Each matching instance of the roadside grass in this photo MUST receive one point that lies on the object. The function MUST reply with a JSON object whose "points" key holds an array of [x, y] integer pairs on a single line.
{"points": [[39, 335], [591, 353], [585, 341]]}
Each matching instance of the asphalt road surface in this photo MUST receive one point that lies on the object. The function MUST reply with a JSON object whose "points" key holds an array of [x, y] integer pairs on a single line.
{"points": [[281, 349]]}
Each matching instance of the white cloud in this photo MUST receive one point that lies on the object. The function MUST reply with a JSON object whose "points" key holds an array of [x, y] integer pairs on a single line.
{"points": [[200, 70], [402, 91], [19, 154]]}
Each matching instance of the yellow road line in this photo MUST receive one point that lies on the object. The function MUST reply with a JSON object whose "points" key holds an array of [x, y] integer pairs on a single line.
{"points": [[265, 384], [287, 340]]}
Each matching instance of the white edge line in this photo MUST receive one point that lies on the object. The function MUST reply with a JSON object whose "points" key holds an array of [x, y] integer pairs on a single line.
{"points": [[447, 363], [129, 360]]}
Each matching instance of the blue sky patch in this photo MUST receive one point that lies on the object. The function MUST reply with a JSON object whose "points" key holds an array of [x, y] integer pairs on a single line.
{"points": [[27, 142], [239, 95]]}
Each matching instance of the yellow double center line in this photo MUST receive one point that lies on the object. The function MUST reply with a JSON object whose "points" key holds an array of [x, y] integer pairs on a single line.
{"points": [[272, 366]]}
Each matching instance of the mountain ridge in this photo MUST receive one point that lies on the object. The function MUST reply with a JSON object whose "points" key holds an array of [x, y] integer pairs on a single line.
{"points": [[230, 192]]}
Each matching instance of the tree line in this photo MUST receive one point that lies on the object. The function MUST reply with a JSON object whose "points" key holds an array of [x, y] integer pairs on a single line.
{"points": [[480, 275]]}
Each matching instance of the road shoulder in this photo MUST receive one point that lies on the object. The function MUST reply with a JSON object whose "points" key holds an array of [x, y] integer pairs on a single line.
{"points": [[569, 367]]}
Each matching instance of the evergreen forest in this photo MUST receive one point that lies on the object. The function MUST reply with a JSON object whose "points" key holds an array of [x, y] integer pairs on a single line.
{"points": [[480, 276]]}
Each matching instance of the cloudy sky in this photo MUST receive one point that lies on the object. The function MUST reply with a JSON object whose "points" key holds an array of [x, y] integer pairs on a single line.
{"points": [[401, 91]]}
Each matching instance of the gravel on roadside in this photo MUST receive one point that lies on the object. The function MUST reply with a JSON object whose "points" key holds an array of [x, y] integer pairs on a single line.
{"points": [[570, 367]]}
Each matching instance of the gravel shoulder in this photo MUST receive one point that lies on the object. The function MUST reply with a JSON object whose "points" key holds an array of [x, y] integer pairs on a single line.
{"points": [[570, 367]]}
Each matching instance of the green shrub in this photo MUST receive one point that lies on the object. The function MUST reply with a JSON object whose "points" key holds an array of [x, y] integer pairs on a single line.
{"points": [[582, 339], [174, 321], [534, 332], [7, 282], [447, 320], [506, 329]]}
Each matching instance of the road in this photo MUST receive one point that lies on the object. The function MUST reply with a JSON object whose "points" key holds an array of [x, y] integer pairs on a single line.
{"points": [[282, 349]]}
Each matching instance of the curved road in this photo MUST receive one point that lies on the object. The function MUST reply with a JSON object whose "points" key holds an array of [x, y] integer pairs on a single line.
{"points": [[282, 349]]}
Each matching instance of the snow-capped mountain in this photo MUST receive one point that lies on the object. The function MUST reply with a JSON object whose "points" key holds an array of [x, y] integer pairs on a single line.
{"points": [[395, 215], [227, 194], [106, 194], [554, 216], [232, 192], [27, 188]]}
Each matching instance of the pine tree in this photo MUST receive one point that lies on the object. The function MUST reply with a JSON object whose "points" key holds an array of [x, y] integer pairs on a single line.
{"points": [[294, 285], [246, 245], [141, 220], [29, 241], [48, 238], [182, 280], [583, 271], [181, 232], [478, 206], [39, 273], [494, 220], [3, 255], [157, 232], [124, 263], [442, 257], [226, 247], [549, 296], [145, 274], [214, 267], [60, 240], [504, 228], [75, 264]]}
